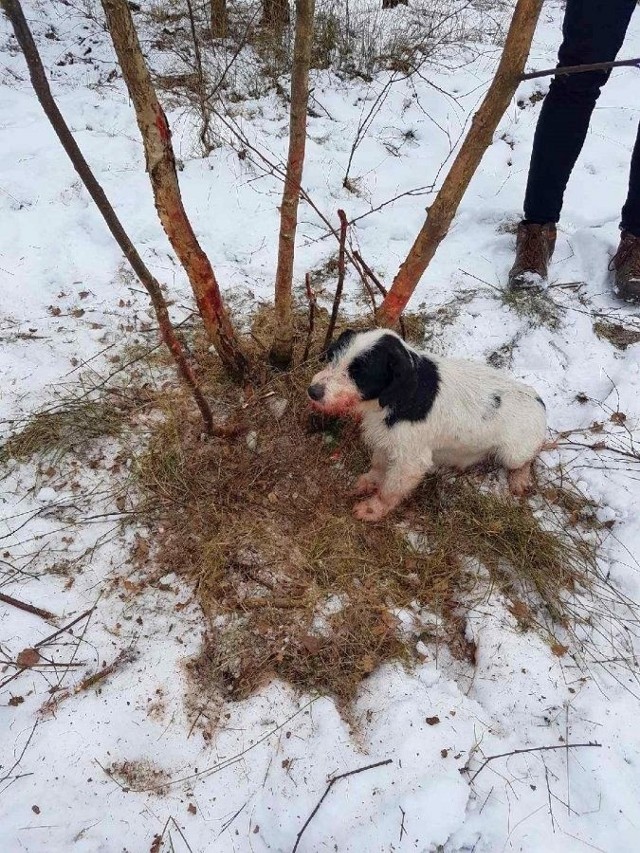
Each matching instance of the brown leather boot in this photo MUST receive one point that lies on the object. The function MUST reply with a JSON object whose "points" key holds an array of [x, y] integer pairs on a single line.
{"points": [[626, 264], [534, 249]]}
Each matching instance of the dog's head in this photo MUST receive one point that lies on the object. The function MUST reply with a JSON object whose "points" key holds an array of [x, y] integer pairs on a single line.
{"points": [[364, 366]]}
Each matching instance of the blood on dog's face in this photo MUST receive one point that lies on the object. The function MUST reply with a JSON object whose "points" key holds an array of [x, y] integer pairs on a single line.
{"points": [[333, 391]]}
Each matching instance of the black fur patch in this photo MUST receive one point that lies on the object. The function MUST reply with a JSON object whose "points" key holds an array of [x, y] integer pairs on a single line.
{"points": [[541, 401], [339, 345], [403, 381], [496, 401]]}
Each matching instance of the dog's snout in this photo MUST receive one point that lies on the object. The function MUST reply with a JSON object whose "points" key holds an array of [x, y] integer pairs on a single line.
{"points": [[316, 391]]}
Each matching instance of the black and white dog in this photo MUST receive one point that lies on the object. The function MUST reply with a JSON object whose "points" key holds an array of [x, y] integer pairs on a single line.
{"points": [[419, 412]]}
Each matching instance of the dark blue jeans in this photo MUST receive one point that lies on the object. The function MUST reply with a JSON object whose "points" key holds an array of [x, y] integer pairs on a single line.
{"points": [[593, 31]]}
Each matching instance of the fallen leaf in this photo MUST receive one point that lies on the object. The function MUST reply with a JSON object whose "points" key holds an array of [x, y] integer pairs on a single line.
{"points": [[192, 809], [559, 650], [15, 701], [35, 809], [28, 657], [312, 644], [432, 721]]}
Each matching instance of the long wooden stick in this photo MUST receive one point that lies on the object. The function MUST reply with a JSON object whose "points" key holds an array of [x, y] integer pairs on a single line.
{"points": [[446, 203], [581, 69]]}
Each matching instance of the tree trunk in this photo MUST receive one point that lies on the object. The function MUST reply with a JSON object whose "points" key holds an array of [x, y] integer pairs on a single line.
{"points": [[477, 140], [282, 347], [219, 19], [275, 14], [161, 166], [13, 10]]}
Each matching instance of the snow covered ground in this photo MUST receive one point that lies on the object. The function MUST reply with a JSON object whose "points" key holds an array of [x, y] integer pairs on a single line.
{"points": [[67, 305]]}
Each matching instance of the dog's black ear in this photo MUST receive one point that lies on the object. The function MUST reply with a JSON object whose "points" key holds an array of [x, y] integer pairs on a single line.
{"points": [[403, 375], [342, 342]]}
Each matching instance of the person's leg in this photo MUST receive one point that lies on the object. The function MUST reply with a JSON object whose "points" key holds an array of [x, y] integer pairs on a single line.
{"points": [[631, 210], [593, 31], [626, 261]]}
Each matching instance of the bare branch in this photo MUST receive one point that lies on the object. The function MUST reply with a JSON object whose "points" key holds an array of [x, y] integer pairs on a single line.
{"points": [[491, 758], [446, 203], [311, 298], [341, 275], [329, 787], [161, 166]]}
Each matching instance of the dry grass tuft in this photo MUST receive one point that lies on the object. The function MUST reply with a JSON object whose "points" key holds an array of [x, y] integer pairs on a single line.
{"points": [[618, 335], [139, 776], [538, 308], [293, 587], [69, 426]]}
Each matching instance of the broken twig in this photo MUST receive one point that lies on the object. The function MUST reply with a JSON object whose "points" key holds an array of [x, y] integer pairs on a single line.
{"points": [[329, 787], [28, 608], [311, 298], [341, 274], [369, 273], [565, 746]]}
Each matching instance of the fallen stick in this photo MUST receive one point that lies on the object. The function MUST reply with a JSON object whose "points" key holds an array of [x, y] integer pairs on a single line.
{"points": [[28, 608], [531, 749], [329, 787], [65, 628], [125, 656], [564, 70]]}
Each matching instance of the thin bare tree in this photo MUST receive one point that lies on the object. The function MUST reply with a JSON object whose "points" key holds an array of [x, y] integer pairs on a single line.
{"points": [[219, 19], [161, 166], [276, 14], [282, 346], [485, 121], [14, 13], [201, 92]]}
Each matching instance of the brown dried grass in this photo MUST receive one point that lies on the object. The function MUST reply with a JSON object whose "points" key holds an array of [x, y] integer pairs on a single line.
{"points": [[290, 585]]}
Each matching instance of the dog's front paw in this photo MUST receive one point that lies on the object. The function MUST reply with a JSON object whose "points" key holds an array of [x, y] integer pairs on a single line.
{"points": [[373, 509], [366, 484]]}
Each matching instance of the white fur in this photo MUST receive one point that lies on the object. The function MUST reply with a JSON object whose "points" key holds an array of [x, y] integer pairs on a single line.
{"points": [[461, 429]]}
